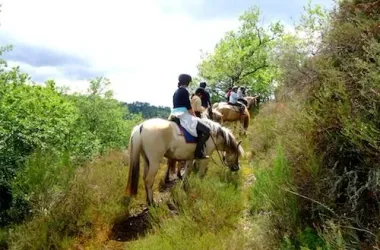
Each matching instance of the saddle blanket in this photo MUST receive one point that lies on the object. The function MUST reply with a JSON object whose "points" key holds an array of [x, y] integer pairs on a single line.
{"points": [[188, 137]]}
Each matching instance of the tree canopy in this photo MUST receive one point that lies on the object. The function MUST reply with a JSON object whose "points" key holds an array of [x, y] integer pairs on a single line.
{"points": [[242, 57]]}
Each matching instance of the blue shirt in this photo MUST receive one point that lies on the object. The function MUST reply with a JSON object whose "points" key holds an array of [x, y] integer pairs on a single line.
{"points": [[233, 97]]}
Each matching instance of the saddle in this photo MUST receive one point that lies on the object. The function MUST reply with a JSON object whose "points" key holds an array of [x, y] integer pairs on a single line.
{"points": [[238, 109], [183, 132]]}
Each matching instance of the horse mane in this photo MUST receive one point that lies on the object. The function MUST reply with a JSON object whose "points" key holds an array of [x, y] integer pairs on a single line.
{"points": [[225, 133]]}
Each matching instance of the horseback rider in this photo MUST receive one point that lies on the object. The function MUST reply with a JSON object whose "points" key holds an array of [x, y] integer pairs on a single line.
{"points": [[196, 102], [206, 102], [241, 95], [234, 100], [183, 111], [228, 93]]}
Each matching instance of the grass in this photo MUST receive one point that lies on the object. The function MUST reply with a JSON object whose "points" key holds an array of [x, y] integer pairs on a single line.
{"points": [[93, 198], [208, 212]]}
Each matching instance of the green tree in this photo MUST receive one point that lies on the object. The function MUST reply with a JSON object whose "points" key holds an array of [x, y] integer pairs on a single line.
{"points": [[146, 110], [101, 120], [293, 52], [242, 57]]}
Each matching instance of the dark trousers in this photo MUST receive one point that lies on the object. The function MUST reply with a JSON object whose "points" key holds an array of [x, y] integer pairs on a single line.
{"points": [[203, 132], [240, 105], [243, 101]]}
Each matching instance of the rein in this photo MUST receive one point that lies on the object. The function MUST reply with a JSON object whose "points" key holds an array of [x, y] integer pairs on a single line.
{"points": [[216, 147]]}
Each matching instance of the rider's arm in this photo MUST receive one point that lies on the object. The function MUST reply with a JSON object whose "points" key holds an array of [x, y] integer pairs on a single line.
{"points": [[209, 100], [185, 96]]}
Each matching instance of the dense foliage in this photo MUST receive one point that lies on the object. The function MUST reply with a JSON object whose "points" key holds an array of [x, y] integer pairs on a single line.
{"points": [[36, 118], [327, 123]]}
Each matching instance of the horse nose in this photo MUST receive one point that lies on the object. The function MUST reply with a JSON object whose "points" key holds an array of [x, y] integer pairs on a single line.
{"points": [[235, 168]]}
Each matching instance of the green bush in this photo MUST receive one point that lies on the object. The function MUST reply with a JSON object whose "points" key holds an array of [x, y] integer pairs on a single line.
{"points": [[337, 87], [52, 124], [32, 117]]}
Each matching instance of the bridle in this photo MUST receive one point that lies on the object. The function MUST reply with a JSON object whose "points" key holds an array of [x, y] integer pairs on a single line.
{"points": [[220, 157]]}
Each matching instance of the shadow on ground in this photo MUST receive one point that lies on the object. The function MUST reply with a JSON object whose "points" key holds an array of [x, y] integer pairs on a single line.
{"points": [[130, 228]]}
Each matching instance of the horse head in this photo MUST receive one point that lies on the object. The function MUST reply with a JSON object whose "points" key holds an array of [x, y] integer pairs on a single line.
{"points": [[232, 151], [226, 142]]}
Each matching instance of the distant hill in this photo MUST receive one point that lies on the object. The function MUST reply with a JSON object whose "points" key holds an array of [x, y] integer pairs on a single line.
{"points": [[147, 110]]}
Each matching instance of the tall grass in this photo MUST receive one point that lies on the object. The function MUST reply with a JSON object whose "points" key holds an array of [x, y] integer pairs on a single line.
{"points": [[271, 192], [208, 214], [88, 206]]}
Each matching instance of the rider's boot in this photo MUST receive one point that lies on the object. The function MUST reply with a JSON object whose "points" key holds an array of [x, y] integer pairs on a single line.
{"points": [[203, 135]]}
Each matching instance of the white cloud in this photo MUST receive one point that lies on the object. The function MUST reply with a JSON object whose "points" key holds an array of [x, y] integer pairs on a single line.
{"points": [[141, 48]]}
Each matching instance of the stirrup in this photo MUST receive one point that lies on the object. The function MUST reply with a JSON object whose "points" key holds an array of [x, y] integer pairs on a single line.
{"points": [[202, 157]]}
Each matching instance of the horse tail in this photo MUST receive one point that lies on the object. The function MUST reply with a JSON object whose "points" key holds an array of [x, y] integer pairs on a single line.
{"points": [[246, 120], [135, 146]]}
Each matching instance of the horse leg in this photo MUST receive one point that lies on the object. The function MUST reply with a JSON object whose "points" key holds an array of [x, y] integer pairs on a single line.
{"points": [[171, 168], [188, 168], [241, 127], [180, 165], [149, 180], [202, 168]]}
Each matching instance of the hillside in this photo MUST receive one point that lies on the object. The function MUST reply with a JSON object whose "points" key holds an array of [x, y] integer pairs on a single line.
{"points": [[147, 110]]}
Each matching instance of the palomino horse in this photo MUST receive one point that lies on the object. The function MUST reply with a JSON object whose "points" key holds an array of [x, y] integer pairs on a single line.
{"points": [[173, 165], [157, 138], [232, 113]]}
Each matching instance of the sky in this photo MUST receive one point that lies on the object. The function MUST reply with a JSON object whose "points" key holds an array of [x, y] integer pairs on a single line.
{"points": [[141, 46]]}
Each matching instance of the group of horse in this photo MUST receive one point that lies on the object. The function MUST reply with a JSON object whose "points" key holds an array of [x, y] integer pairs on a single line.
{"points": [[223, 112], [156, 138]]}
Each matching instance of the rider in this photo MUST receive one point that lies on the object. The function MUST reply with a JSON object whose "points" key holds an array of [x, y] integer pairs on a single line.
{"points": [[182, 110], [228, 93], [234, 100], [241, 95], [206, 102], [196, 102]]}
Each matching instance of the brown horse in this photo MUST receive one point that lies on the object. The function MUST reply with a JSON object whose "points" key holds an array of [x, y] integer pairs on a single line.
{"points": [[252, 101], [157, 138], [232, 113]]}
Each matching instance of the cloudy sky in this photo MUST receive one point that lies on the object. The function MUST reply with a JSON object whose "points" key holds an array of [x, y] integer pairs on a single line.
{"points": [[141, 46]]}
